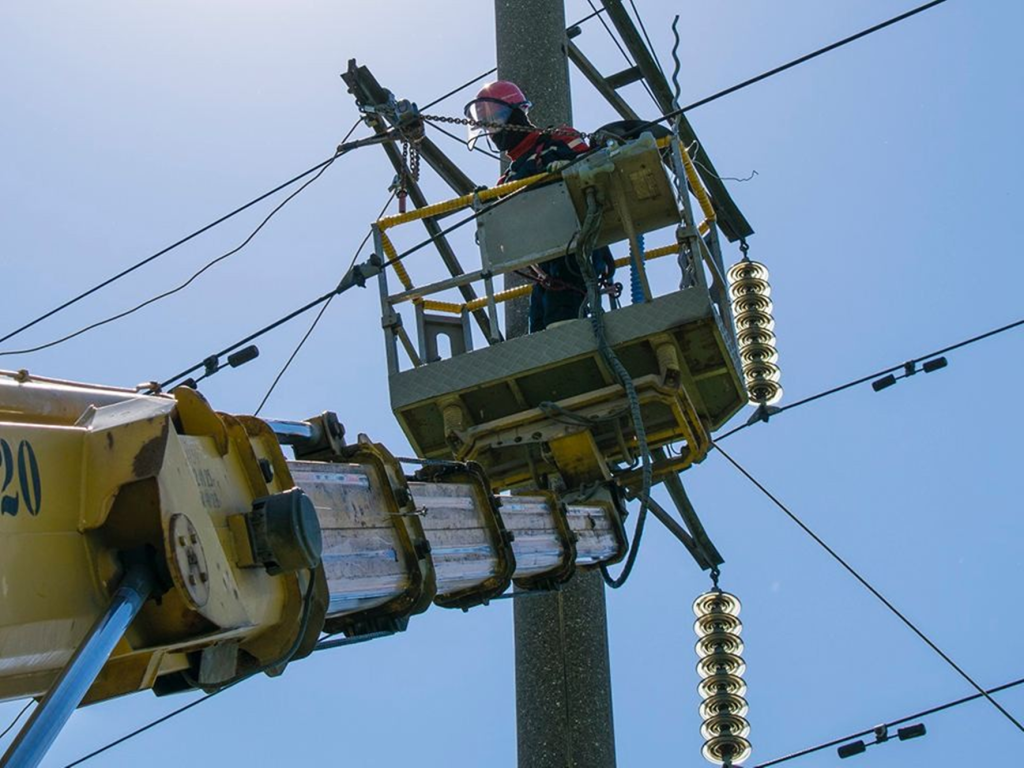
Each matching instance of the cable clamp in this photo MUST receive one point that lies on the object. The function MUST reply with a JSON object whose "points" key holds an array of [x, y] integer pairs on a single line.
{"points": [[359, 273]]}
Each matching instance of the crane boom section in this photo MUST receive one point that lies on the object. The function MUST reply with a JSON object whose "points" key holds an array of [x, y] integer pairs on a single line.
{"points": [[256, 555]]}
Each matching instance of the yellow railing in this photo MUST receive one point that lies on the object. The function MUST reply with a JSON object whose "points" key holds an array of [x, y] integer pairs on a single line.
{"points": [[494, 193], [458, 203]]}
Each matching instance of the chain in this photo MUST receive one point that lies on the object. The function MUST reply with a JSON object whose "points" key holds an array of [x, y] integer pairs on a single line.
{"points": [[414, 165], [503, 126], [410, 170], [402, 182]]}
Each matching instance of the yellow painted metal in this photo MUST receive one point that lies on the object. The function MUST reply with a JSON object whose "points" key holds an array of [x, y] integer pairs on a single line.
{"points": [[458, 203], [439, 209], [524, 290], [678, 422], [98, 472], [696, 184], [665, 250], [450, 307], [578, 459], [392, 256], [501, 296], [455, 308], [109, 471]]}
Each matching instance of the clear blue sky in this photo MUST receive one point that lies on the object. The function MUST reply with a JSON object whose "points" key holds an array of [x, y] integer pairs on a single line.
{"points": [[885, 202]]}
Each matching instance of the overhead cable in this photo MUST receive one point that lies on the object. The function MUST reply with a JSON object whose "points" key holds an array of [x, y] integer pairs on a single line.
{"points": [[319, 315], [465, 85], [355, 276], [178, 288], [891, 724], [321, 646], [17, 717], [864, 582], [874, 376], [795, 62], [340, 642], [449, 134], [650, 45], [168, 249], [154, 723], [343, 148], [622, 50], [589, 16]]}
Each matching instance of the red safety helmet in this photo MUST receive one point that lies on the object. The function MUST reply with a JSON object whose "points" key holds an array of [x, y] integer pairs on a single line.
{"points": [[493, 106]]}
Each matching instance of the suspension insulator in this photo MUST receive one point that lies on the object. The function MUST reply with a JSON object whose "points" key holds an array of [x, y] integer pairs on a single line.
{"points": [[721, 669], [752, 315]]}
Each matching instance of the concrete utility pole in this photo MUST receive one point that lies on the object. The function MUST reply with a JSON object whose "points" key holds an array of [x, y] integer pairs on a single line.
{"points": [[563, 678]]}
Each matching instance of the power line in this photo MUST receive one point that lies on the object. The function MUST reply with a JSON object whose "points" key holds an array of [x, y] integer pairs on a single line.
{"points": [[452, 92], [892, 724], [17, 717], [864, 582], [795, 62], [211, 225], [327, 643], [355, 276], [153, 723], [321, 646], [449, 134], [318, 167], [343, 148], [622, 50], [251, 337], [892, 369], [221, 220], [319, 315], [182, 286], [589, 16], [650, 45], [171, 247], [284, 659]]}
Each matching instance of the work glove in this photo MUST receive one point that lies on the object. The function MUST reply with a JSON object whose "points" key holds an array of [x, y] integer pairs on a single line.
{"points": [[557, 166]]}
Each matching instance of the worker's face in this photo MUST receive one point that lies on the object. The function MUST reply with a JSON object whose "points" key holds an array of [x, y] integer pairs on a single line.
{"points": [[508, 138], [488, 116]]}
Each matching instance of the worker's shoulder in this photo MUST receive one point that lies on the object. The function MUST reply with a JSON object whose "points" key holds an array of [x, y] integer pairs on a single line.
{"points": [[566, 134]]}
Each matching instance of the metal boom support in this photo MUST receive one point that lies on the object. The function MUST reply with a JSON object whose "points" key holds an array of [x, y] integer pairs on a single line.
{"points": [[46, 722]]}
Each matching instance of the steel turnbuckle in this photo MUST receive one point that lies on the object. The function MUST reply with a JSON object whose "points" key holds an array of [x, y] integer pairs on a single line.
{"points": [[752, 312], [721, 667]]}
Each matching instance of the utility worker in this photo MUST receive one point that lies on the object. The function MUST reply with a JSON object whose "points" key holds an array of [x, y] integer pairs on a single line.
{"points": [[500, 112]]}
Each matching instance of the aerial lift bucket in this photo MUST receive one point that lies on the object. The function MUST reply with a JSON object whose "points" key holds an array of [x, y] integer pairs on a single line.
{"points": [[547, 405]]}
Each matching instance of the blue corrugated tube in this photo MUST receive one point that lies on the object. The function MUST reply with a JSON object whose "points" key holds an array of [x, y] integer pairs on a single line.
{"points": [[636, 289]]}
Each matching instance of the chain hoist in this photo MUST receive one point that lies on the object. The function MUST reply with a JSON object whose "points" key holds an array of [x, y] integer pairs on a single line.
{"points": [[721, 667], [752, 312], [405, 116]]}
